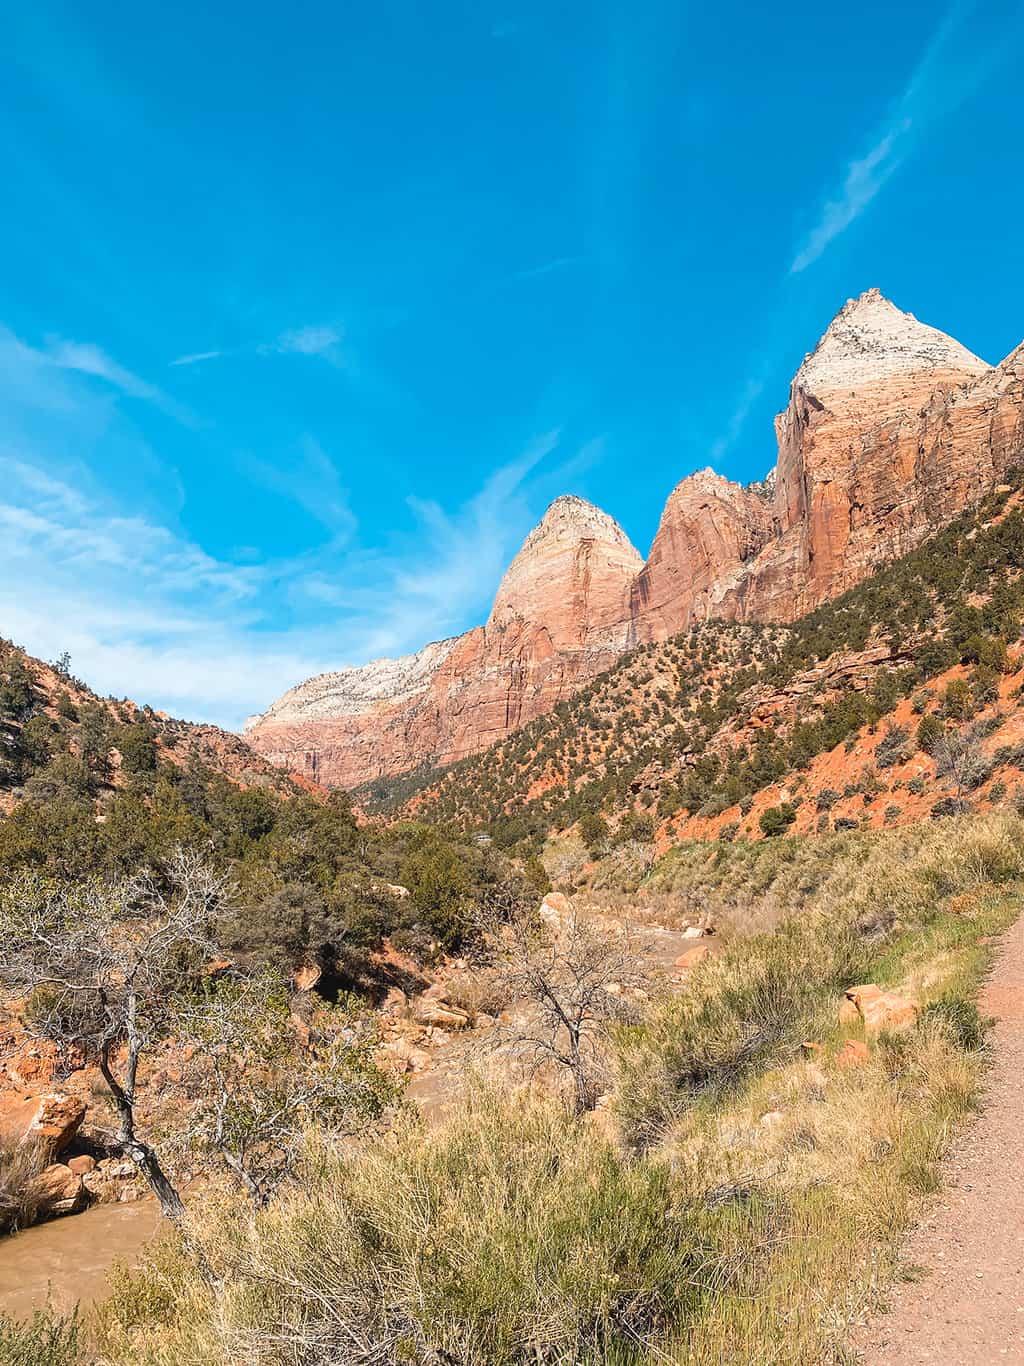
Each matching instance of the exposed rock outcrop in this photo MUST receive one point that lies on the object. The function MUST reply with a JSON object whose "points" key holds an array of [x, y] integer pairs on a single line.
{"points": [[710, 531], [891, 430], [561, 615]]}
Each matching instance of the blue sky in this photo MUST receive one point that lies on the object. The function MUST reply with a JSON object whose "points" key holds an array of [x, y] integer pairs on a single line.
{"points": [[308, 311]]}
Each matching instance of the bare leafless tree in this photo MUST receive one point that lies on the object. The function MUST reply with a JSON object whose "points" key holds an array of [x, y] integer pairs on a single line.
{"points": [[574, 977], [257, 1088], [100, 964]]}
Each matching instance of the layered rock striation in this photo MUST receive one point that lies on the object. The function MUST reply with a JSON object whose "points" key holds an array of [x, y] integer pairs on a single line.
{"points": [[891, 430]]}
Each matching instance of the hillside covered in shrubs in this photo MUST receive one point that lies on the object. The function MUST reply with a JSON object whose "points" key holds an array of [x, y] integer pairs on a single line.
{"points": [[727, 729]]}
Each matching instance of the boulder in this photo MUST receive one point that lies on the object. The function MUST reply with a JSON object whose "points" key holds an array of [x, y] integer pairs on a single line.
{"points": [[404, 1056], [114, 1180], [692, 957], [554, 908], [882, 1009], [58, 1190], [442, 1015], [854, 1053], [56, 1119]]}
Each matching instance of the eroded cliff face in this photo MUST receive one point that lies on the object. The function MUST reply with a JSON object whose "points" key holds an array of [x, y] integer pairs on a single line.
{"points": [[891, 430], [560, 616], [858, 480], [710, 531]]}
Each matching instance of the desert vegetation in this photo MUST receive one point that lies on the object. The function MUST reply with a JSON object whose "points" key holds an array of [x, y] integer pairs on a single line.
{"points": [[745, 1184]]}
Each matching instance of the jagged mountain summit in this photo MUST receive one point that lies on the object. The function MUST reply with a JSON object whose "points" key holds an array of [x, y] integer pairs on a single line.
{"points": [[891, 430]]}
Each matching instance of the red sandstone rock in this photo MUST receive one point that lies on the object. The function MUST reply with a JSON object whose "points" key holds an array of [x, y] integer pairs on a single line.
{"points": [[53, 1119], [882, 1009], [305, 978], [854, 1053], [692, 957], [892, 429], [58, 1190]]}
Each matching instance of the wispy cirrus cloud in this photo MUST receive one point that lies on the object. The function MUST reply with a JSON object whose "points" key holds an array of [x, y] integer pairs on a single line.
{"points": [[548, 267], [864, 178], [959, 57], [197, 357], [323, 340], [310, 341], [312, 480], [749, 395], [146, 611], [36, 365]]}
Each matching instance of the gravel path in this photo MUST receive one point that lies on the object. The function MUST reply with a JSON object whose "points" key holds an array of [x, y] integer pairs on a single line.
{"points": [[968, 1307]]}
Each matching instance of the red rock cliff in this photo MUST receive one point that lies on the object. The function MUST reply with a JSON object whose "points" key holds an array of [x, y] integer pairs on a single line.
{"points": [[560, 616], [891, 430]]}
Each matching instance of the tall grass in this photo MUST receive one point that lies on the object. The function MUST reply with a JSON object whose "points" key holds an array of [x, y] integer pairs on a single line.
{"points": [[855, 875], [20, 1163], [852, 899], [512, 1234], [45, 1339]]}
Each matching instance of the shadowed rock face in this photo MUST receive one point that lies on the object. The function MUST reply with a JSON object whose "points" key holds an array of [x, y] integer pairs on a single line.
{"points": [[891, 430]]}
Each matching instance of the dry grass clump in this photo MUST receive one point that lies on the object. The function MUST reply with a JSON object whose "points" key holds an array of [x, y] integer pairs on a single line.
{"points": [[511, 1235], [745, 1010], [20, 1164], [752, 1007], [46, 1339]]}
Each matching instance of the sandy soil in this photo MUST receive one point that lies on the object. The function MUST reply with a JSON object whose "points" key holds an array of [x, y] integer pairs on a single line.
{"points": [[966, 1307]]}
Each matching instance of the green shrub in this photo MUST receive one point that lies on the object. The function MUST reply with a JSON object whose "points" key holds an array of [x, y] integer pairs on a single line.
{"points": [[894, 747], [929, 729], [776, 820], [959, 1019]]}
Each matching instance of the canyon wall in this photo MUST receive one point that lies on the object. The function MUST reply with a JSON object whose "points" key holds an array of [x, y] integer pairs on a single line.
{"points": [[891, 430]]}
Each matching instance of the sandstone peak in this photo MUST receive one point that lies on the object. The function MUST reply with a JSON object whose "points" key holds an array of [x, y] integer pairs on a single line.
{"points": [[570, 518], [870, 339], [573, 571], [891, 430], [706, 481]]}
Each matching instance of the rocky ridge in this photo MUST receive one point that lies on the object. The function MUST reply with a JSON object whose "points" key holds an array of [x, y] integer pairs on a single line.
{"points": [[891, 430]]}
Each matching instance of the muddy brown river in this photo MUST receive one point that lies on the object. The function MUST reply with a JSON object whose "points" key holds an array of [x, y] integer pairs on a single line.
{"points": [[67, 1260]]}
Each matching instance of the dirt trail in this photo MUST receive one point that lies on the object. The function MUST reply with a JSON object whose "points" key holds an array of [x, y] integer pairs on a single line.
{"points": [[968, 1307]]}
